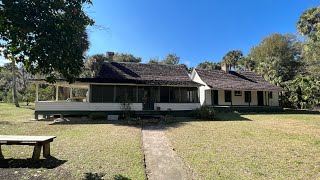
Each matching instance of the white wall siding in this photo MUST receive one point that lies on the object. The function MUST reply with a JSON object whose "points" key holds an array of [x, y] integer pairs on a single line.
{"points": [[82, 106], [203, 97], [176, 106]]}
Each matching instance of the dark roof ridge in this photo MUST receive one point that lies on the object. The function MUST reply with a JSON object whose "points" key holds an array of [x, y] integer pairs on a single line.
{"points": [[181, 65]]}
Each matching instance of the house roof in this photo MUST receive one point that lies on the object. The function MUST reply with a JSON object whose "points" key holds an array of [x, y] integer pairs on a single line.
{"points": [[245, 80], [137, 73]]}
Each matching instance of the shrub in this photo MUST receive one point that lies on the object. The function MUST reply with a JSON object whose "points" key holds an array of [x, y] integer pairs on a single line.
{"points": [[97, 115], [204, 112]]}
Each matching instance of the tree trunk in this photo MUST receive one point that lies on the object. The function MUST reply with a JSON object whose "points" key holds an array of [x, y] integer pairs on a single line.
{"points": [[14, 83]]}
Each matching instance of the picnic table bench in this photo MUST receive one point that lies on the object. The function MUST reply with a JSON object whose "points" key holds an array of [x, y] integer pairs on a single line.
{"points": [[36, 141]]}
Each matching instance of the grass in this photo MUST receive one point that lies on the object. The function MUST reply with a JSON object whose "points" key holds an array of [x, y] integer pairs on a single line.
{"points": [[261, 146], [82, 150]]}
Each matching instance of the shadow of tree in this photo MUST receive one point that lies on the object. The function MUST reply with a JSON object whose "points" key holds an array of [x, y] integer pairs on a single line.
{"points": [[79, 121], [100, 176], [49, 163], [230, 116]]}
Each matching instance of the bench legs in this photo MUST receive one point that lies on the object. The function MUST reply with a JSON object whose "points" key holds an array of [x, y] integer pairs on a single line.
{"points": [[36, 152], [46, 150], [1, 155]]}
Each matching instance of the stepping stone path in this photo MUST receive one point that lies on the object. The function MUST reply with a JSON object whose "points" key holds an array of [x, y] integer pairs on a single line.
{"points": [[161, 160]]}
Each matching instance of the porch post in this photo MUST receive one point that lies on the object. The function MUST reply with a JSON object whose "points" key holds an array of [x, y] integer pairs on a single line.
{"points": [[89, 94], [71, 90], [57, 92], [37, 92], [231, 97]]}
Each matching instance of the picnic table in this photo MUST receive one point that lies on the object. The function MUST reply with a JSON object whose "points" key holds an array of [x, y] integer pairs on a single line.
{"points": [[36, 141]]}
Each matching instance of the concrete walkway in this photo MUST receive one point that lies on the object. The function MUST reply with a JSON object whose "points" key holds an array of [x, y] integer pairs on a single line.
{"points": [[161, 161]]}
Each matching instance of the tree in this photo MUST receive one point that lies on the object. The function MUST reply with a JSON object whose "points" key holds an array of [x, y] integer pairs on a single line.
{"points": [[277, 58], [171, 59], [304, 91], [209, 65], [93, 65], [308, 25], [154, 61], [124, 57], [232, 57], [46, 36], [246, 64]]}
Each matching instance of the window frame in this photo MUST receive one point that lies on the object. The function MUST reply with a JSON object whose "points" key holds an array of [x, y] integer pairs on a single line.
{"points": [[237, 94]]}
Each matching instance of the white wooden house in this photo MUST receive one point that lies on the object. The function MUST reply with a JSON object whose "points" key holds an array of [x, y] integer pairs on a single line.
{"points": [[224, 88], [146, 87]]}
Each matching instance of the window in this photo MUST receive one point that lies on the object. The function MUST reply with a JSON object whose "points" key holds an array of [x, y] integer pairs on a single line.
{"points": [[102, 94], [227, 96], [237, 93], [164, 94], [189, 95], [270, 95], [247, 96]]}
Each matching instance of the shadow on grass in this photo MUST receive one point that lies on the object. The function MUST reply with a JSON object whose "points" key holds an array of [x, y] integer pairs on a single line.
{"points": [[85, 121], [49, 163], [231, 116], [5, 123], [100, 176]]}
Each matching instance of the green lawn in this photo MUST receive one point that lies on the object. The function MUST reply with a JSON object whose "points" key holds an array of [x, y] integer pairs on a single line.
{"points": [[266, 146], [82, 149]]}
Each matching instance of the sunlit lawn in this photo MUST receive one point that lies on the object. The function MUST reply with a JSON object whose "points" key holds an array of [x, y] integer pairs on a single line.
{"points": [[82, 149], [250, 146]]}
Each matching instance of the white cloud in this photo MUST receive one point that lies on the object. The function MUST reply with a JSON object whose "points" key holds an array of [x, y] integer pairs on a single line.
{"points": [[3, 60]]}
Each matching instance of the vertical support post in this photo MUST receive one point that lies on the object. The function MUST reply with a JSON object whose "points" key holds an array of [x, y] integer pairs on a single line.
{"points": [[231, 97], [137, 94], [36, 152], [71, 94], [1, 155], [57, 92], [180, 94], [114, 93], [89, 93], [37, 92], [46, 150]]}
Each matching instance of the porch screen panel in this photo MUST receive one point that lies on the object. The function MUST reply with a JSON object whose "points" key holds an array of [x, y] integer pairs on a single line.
{"points": [[174, 94], [102, 93], [189, 94], [126, 94], [140, 94], [164, 94]]}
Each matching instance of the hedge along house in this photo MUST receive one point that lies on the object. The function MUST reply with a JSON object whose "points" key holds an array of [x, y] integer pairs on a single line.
{"points": [[224, 88], [143, 87]]}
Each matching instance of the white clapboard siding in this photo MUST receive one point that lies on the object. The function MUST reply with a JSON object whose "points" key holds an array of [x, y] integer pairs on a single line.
{"points": [[82, 106], [176, 106]]}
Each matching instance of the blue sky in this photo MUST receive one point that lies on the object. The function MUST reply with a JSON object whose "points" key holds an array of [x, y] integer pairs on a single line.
{"points": [[196, 30]]}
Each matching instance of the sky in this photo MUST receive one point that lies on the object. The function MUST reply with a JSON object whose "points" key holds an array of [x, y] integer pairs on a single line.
{"points": [[196, 30]]}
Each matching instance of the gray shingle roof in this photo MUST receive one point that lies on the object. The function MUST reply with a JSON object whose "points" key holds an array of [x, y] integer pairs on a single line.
{"points": [[245, 80], [150, 74]]}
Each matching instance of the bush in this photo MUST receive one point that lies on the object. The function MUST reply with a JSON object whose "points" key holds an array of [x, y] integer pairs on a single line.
{"points": [[204, 112], [98, 115]]}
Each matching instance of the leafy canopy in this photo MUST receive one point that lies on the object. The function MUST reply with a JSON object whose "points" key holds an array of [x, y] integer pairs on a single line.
{"points": [[209, 65], [232, 57], [309, 25], [46, 36]]}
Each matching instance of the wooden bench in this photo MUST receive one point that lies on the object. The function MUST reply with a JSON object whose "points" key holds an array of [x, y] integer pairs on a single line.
{"points": [[36, 141]]}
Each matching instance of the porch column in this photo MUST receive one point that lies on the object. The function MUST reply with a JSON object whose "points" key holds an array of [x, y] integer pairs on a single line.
{"points": [[57, 92], [71, 90], [231, 97], [37, 92], [89, 93]]}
